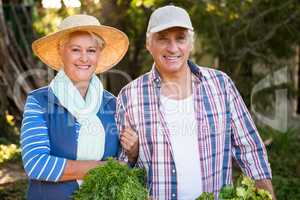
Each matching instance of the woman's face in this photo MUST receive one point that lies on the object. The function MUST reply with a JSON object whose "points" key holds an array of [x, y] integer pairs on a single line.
{"points": [[80, 54]]}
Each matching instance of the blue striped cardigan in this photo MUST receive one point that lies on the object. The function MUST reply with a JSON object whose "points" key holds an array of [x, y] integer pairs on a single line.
{"points": [[49, 138]]}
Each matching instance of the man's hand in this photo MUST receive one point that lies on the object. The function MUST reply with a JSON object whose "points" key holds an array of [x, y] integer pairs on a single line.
{"points": [[266, 184], [130, 143]]}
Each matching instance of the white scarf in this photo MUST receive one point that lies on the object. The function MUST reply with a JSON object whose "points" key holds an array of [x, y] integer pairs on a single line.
{"points": [[91, 138]]}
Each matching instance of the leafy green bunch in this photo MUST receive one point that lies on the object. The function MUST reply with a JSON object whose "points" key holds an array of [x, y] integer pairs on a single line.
{"points": [[244, 190], [113, 181]]}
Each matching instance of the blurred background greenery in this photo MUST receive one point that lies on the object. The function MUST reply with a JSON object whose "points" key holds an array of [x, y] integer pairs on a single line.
{"points": [[248, 39]]}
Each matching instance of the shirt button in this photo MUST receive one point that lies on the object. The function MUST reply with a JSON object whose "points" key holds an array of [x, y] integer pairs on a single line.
{"points": [[173, 170], [173, 195]]}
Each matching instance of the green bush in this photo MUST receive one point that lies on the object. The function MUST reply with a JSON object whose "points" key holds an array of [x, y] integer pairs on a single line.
{"points": [[9, 139], [284, 157], [14, 191], [9, 132], [286, 188]]}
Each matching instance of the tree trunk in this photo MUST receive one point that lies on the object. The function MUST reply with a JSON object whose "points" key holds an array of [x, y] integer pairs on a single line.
{"points": [[16, 59], [296, 79]]}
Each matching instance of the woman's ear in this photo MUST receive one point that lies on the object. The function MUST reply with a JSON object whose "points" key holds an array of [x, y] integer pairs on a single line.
{"points": [[60, 50]]}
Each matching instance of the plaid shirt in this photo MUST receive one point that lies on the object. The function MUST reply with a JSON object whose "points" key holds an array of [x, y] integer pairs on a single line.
{"points": [[225, 130]]}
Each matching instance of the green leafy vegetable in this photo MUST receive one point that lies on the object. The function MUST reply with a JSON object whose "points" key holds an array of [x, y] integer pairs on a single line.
{"points": [[206, 196], [244, 190], [113, 181], [227, 192]]}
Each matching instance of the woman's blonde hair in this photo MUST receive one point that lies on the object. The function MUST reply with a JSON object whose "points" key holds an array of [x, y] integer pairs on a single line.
{"points": [[66, 38]]}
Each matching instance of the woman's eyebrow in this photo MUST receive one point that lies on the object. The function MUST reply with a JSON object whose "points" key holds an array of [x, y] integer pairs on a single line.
{"points": [[74, 45]]}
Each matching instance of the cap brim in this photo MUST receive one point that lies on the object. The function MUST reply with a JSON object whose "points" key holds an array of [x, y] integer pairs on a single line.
{"points": [[169, 25], [116, 45]]}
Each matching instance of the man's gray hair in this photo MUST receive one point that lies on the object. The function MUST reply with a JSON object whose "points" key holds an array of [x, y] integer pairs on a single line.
{"points": [[190, 37]]}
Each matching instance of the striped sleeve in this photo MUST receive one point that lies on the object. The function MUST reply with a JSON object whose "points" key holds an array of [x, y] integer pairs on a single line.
{"points": [[122, 120], [37, 161], [248, 148]]}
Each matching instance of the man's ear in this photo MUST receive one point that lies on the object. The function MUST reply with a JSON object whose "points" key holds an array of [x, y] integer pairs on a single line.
{"points": [[148, 44]]}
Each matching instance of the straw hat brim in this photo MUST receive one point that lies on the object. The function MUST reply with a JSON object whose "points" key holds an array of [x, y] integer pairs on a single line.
{"points": [[116, 45]]}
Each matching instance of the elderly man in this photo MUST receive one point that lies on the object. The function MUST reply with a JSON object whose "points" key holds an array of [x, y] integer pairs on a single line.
{"points": [[189, 121]]}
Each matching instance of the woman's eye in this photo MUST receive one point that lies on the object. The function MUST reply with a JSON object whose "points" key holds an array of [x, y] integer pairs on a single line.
{"points": [[92, 50], [75, 50]]}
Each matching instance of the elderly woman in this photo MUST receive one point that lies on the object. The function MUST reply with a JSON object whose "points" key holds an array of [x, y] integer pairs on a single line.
{"points": [[68, 127]]}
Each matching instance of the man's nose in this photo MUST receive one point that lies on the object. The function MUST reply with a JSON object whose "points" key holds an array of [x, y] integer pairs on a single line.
{"points": [[172, 46]]}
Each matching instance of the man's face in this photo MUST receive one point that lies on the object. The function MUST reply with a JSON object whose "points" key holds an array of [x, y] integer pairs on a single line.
{"points": [[170, 50]]}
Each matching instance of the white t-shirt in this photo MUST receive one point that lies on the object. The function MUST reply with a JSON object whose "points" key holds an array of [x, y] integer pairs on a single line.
{"points": [[181, 121]]}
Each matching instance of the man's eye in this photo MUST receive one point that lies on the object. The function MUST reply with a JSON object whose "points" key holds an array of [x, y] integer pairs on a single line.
{"points": [[162, 38], [181, 38]]}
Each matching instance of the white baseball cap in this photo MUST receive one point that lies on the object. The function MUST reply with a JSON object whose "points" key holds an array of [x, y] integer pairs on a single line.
{"points": [[168, 17]]}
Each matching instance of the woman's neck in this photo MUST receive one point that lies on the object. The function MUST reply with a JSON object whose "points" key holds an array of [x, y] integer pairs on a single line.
{"points": [[82, 87]]}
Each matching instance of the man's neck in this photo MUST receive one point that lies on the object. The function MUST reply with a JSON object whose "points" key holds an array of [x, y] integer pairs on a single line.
{"points": [[177, 86]]}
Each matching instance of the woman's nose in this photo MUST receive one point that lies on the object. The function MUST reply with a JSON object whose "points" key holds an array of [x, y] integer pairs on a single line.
{"points": [[84, 57]]}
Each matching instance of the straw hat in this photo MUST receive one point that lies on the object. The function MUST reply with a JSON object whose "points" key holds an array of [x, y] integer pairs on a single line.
{"points": [[116, 42]]}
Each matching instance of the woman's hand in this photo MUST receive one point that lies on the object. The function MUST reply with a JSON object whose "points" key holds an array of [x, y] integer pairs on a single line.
{"points": [[130, 143], [77, 169]]}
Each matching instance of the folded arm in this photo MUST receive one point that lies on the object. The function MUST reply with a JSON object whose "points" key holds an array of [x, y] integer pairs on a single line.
{"points": [[38, 163]]}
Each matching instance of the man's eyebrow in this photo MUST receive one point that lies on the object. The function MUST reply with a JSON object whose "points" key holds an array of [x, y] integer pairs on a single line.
{"points": [[161, 34]]}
